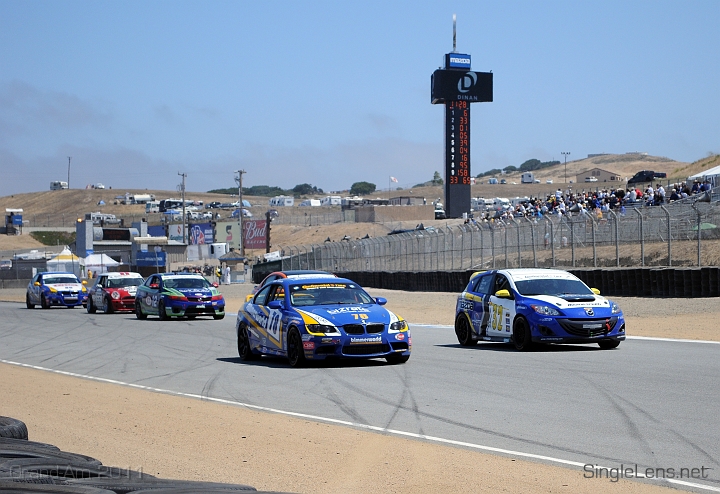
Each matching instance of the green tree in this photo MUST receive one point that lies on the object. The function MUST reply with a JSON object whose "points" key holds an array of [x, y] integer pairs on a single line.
{"points": [[494, 171], [304, 189], [362, 188], [510, 169], [264, 190], [437, 179], [530, 165]]}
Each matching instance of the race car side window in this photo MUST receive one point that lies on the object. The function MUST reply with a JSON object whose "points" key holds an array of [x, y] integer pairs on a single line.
{"points": [[277, 294], [501, 283], [484, 284], [262, 296]]}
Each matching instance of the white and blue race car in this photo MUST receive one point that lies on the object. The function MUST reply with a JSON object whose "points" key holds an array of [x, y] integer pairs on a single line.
{"points": [[528, 306], [319, 318]]}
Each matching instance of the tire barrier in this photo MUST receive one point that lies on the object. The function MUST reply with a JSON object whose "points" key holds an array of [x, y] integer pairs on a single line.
{"points": [[678, 282], [28, 467], [13, 428]]}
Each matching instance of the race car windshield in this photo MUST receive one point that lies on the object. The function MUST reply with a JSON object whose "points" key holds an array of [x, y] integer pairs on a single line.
{"points": [[552, 287], [186, 283], [60, 279], [328, 294], [121, 282]]}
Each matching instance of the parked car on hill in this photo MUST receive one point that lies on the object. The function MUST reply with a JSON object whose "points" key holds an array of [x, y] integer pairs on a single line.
{"points": [[645, 176]]}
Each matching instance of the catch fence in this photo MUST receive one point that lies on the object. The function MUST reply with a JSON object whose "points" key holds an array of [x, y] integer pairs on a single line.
{"points": [[669, 235]]}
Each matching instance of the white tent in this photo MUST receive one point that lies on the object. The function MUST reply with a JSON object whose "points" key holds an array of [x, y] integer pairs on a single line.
{"points": [[66, 261], [97, 263], [712, 175]]}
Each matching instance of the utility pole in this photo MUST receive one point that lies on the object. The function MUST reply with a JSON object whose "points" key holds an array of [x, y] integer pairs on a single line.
{"points": [[182, 191], [565, 153], [240, 211], [69, 158]]}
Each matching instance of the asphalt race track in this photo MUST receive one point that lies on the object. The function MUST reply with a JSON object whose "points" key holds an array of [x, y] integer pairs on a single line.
{"points": [[649, 403]]}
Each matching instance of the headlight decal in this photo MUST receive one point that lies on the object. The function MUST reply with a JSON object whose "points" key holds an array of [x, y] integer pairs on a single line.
{"points": [[545, 310]]}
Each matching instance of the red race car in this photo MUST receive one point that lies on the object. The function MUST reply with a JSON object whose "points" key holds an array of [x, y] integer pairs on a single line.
{"points": [[114, 292]]}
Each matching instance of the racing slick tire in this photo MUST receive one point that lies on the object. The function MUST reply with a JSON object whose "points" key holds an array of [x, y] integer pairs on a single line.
{"points": [[13, 428], [162, 314], [107, 305], [28, 304], [243, 345], [138, 311], [90, 307], [463, 331], [522, 338], [397, 358], [217, 317], [608, 344], [295, 351], [43, 302]]}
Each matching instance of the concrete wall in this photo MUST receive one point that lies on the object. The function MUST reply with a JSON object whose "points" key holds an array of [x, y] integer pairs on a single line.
{"points": [[379, 214]]}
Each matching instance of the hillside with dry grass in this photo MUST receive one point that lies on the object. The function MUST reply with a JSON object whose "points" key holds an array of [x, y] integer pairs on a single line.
{"points": [[74, 203]]}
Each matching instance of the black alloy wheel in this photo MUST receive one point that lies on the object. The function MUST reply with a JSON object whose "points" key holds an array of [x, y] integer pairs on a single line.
{"points": [[161, 311], [463, 331], [295, 351], [522, 338]]}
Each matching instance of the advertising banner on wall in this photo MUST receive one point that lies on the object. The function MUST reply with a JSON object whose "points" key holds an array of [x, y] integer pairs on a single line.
{"points": [[156, 230], [151, 258], [200, 233], [229, 231], [255, 231], [175, 232]]}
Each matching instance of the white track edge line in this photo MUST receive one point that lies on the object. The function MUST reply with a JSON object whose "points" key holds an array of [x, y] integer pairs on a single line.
{"points": [[347, 423]]}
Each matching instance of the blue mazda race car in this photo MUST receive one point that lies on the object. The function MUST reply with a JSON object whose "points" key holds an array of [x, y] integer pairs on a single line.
{"points": [[317, 318], [528, 306]]}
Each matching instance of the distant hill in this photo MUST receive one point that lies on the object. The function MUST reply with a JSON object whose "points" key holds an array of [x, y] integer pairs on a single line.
{"points": [[76, 202]]}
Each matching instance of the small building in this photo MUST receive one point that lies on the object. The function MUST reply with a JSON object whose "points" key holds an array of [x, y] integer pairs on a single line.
{"points": [[407, 201], [601, 176]]}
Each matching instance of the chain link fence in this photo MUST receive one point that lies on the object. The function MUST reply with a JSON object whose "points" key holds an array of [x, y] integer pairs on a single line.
{"points": [[672, 235]]}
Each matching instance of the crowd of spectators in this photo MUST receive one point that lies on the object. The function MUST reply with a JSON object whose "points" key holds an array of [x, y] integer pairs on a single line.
{"points": [[597, 203]]}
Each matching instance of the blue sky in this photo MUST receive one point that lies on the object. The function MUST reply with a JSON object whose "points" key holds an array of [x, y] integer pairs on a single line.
{"points": [[332, 93]]}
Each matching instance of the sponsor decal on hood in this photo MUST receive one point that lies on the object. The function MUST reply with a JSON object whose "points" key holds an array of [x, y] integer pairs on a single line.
{"points": [[560, 302]]}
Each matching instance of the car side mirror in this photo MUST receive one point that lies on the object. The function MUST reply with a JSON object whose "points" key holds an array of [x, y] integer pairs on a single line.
{"points": [[275, 304], [381, 301], [84, 282], [154, 285], [37, 283], [215, 284], [503, 294], [595, 291]]}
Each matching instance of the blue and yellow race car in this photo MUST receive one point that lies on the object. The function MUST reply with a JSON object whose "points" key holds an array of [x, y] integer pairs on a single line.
{"points": [[55, 289], [169, 295], [318, 318], [528, 306]]}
